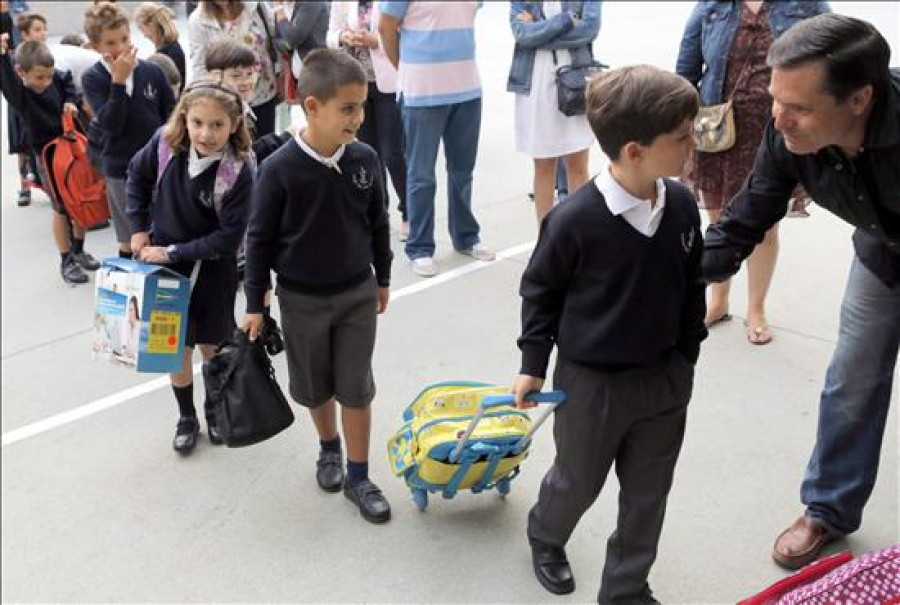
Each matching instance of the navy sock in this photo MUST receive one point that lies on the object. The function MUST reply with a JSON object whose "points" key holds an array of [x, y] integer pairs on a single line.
{"points": [[64, 257], [125, 255], [332, 445], [185, 398], [77, 245], [356, 472]]}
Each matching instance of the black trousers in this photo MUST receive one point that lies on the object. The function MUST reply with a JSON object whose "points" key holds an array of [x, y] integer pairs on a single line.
{"points": [[634, 419], [383, 131]]}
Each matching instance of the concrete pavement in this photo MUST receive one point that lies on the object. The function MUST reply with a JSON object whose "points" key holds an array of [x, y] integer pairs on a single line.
{"points": [[100, 509]]}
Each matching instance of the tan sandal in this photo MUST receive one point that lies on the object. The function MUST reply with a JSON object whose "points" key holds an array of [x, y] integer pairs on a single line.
{"points": [[759, 335]]}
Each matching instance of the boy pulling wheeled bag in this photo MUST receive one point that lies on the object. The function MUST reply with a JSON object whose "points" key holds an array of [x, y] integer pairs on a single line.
{"points": [[248, 404]]}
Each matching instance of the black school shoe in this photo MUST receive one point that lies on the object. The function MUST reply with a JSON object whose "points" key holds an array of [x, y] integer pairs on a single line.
{"points": [[368, 498], [551, 567], [330, 471], [86, 261], [72, 273], [186, 435]]}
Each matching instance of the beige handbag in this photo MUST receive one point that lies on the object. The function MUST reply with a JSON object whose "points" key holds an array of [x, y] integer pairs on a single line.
{"points": [[714, 128]]}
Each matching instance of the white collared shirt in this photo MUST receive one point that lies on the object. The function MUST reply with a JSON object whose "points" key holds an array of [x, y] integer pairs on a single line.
{"points": [[331, 162], [637, 212], [197, 165], [129, 83]]}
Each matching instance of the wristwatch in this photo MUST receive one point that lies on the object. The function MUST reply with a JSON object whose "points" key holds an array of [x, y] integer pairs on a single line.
{"points": [[172, 252]]}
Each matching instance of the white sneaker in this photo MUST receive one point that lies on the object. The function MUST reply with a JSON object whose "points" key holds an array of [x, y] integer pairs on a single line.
{"points": [[480, 252], [424, 266]]}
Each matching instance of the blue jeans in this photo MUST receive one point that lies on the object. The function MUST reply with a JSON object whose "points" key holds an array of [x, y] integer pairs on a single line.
{"points": [[854, 405], [458, 125]]}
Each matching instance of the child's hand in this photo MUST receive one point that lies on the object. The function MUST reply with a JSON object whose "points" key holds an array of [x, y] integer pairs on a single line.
{"points": [[71, 109], [253, 325], [123, 65], [139, 241], [524, 384], [4, 43], [384, 295]]}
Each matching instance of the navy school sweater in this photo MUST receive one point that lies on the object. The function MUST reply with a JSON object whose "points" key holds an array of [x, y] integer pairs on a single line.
{"points": [[320, 231], [174, 51], [42, 113], [183, 212], [607, 295], [127, 123]]}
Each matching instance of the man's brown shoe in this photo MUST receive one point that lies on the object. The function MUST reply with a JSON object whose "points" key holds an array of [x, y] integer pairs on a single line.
{"points": [[801, 543]]}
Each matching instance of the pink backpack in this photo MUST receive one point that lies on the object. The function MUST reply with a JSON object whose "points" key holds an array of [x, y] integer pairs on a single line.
{"points": [[871, 579]]}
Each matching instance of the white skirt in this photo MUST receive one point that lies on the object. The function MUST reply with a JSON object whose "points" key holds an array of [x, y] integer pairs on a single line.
{"points": [[541, 130]]}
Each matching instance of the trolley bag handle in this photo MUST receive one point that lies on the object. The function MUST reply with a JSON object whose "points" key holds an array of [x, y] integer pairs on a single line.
{"points": [[554, 398]]}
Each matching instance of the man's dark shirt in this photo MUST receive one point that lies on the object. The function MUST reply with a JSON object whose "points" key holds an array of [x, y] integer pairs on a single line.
{"points": [[863, 190]]}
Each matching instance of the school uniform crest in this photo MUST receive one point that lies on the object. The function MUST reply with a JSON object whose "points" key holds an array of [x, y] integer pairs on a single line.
{"points": [[362, 178], [687, 241], [206, 199], [150, 92]]}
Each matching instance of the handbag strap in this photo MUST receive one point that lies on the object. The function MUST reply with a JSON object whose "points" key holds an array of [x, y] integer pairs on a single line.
{"points": [[744, 71], [590, 48], [273, 55]]}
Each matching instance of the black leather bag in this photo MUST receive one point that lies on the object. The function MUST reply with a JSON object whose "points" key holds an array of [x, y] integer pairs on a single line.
{"points": [[248, 404], [571, 85]]}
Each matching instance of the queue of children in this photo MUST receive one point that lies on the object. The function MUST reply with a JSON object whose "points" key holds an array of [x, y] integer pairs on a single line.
{"points": [[190, 185]]}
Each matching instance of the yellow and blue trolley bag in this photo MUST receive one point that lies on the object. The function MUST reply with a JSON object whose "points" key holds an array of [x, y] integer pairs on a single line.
{"points": [[464, 435]]}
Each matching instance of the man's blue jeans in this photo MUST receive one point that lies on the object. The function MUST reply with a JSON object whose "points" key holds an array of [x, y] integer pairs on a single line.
{"points": [[854, 405], [458, 125]]}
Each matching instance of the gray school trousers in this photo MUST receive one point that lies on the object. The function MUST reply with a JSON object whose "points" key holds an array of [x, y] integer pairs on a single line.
{"points": [[634, 418]]}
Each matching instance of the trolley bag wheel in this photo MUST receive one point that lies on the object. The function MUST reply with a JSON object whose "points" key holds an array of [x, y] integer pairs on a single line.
{"points": [[503, 486], [420, 498]]}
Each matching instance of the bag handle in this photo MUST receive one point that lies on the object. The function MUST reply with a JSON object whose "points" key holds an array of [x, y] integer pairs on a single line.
{"points": [[68, 122], [554, 398]]}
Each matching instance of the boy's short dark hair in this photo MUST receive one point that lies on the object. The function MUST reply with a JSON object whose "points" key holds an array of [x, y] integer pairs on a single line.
{"points": [[228, 54], [102, 16], [26, 20], [31, 54], [637, 103], [167, 65], [851, 51], [73, 40], [327, 69]]}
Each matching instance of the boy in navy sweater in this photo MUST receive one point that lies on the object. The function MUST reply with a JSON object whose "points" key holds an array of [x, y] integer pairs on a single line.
{"points": [[41, 94], [322, 196], [131, 99], [614, 283]]}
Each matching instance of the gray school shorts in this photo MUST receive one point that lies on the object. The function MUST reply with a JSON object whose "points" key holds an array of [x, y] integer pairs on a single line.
{"points": [[115, 197], [329, 341]]}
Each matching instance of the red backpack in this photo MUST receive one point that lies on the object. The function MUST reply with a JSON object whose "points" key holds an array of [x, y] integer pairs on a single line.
{"points": [[75, 182]]}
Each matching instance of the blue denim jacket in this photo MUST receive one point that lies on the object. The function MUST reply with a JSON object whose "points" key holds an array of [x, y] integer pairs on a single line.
{"points": [[709, 33], [558, 32]]}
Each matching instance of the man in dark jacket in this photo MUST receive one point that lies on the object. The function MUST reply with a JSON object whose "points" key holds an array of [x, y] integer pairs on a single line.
{"points": [[835, 130]]}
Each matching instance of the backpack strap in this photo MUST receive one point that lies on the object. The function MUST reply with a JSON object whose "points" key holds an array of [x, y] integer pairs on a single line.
{"points": [[163, 157], [226, 174]]}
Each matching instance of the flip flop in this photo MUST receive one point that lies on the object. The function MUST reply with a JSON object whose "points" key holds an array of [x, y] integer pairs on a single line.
{"points": [[720, 319], [760, 332]]}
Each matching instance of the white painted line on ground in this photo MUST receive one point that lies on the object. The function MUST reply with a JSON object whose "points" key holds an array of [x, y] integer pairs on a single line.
{"points": [[95, 407]]}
